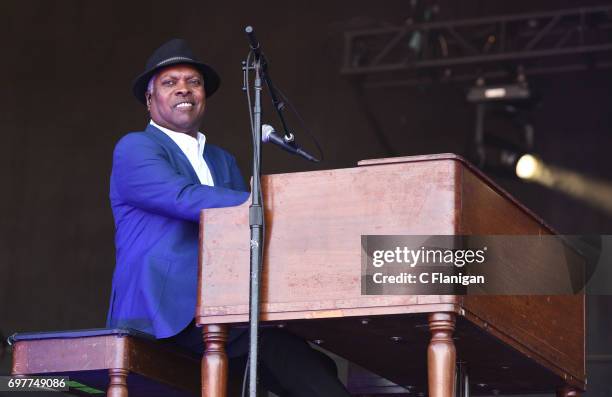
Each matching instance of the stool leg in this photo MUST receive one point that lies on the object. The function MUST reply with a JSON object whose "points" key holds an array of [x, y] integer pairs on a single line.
{"points": [[568, 392], [214, 361], [118, 383], [441, 355]]}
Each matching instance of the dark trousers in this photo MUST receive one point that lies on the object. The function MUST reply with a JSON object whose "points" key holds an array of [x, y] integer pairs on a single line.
{"points": [[288, 366]]}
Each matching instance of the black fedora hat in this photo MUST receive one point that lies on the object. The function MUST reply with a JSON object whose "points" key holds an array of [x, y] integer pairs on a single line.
{"points": [[175, 51]]}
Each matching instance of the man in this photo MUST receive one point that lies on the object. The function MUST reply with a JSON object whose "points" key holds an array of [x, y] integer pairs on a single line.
{"points": [[162, 178], [158, 187]]}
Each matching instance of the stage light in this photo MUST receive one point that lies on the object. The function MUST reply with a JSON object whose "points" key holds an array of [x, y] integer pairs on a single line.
{"points": [[591, 190], [528, 166], [499, 93], [504, 128], [508, 152]]}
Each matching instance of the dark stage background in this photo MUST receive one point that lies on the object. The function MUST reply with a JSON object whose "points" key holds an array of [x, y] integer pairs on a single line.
{"points": [[66, 99]]}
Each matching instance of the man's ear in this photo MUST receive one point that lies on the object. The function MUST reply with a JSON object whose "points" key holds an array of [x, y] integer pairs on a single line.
{"points": [[148, 99]]}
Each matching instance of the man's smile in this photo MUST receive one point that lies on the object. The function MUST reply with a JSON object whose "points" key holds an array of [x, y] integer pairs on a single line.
{"points": [[184, 105]]}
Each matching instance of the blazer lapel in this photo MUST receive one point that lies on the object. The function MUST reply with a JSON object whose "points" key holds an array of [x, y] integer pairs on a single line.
{"points": [[212, 166], [169, 144]]}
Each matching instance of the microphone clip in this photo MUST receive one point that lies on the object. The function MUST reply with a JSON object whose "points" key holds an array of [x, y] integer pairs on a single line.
{"points": [[289, 138]]}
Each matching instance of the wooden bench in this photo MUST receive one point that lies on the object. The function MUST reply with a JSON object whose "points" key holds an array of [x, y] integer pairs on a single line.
{"points": [[108, 361]]}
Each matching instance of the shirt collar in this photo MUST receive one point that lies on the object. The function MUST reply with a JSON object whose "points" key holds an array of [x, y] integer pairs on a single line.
{"points": [[182, 139]]}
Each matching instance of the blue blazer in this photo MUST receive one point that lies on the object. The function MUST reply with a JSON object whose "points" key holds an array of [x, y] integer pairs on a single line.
{"points": [[156, 198]]}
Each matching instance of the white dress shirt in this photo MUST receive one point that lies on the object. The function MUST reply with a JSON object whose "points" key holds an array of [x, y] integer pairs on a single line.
{"points": [[193, 150]]}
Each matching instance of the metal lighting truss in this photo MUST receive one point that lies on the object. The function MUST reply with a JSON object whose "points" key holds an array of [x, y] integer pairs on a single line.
{"points": [[464, 50]]}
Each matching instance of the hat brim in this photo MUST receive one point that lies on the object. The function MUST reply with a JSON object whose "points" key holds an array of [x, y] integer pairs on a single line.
{"points": [[211, 79]]}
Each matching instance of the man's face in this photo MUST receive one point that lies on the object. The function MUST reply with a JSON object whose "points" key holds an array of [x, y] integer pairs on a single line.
{"points": [[178, 99]]}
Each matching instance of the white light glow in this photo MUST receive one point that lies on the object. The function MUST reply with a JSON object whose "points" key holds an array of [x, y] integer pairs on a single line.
{"points": [[495, 93], [527, 166]]}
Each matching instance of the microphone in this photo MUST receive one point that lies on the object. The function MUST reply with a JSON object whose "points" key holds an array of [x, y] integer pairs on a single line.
{"points": [[268, 134]]}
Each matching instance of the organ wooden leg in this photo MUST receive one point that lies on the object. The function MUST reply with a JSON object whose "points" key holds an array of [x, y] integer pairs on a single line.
{"points": [[214, 361], [118, 383], [441, 356], [568, 392]]}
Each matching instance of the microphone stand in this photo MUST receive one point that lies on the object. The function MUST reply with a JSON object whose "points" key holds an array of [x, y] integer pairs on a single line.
{"points": [[278, 105], [256, 216], [256, 209]]}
